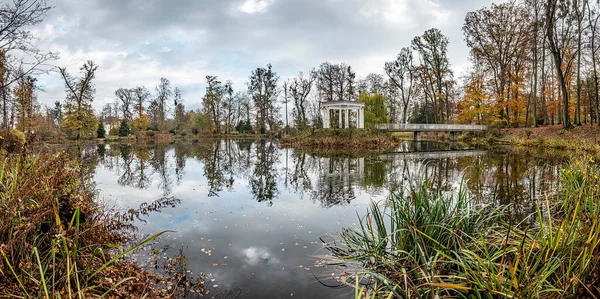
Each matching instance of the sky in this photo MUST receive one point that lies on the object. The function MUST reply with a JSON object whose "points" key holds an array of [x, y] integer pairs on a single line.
{"points": [[136, 42]]}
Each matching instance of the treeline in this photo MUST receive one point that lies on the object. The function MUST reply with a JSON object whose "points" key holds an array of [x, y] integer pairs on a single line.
{"points": [[534, 62]]}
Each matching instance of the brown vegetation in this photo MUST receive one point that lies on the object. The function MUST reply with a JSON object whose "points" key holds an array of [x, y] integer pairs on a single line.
{"points": [[344, 141], [55, 239]]}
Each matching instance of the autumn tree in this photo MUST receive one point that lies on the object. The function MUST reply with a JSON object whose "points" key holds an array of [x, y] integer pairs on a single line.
{"points": [[262, 88], [79, 118], [474, 107], [498, 37]]}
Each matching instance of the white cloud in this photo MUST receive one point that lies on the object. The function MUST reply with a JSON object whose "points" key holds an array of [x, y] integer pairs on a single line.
{"points": [[137, 44], [254, 6], [256, 255]]}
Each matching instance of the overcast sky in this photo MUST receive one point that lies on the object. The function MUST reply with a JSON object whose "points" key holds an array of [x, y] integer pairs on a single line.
{"points": [[136, 42]]}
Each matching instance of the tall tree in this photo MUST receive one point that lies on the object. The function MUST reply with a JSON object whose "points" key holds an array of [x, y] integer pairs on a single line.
{"points": [[79, 117], [593, 17], [498, 37], [263, 90], [432, 47], [161, 107], [401, 73], [140, 98], [179, 119], [212, 101], [559, 36], [126, 98], [299, 90], [26, 102]]}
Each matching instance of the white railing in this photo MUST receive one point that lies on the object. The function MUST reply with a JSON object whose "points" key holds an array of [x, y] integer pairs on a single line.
{"points": [[430, 127]]}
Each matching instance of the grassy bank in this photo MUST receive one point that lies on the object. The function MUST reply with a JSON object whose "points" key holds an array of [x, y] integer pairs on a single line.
{"points": [[56, 241], [342, 141], [421, 243]]}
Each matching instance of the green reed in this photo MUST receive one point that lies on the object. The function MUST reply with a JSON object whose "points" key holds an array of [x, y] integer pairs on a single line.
{"points": [[421, 243]]}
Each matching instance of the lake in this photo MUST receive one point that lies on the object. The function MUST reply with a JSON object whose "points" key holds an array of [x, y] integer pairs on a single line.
{"points": [[252, 216]]}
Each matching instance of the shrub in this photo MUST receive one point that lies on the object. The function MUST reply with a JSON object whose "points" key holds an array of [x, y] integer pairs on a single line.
{"points": [[100, 133], [114, 131], [124, 130], [12, 141], [528, 132]]}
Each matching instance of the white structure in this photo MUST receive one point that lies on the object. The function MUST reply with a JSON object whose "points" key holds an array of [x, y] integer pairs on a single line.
{"points": [[344, 110]]}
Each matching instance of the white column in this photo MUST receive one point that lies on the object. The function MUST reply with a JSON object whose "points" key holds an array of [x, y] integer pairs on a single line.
{"points": [[339, 118], [326, 119], [359, 118], [346, 120]]}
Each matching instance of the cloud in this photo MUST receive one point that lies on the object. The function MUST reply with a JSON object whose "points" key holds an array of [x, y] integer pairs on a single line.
{"points": [[137, 42], [254, 6], [255, 255]]}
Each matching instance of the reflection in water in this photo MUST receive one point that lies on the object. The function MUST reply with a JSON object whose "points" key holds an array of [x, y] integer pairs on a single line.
{"points": [[259, 210]]}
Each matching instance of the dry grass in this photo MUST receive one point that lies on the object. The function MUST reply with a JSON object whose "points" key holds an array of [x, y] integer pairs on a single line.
{"points": [[346, 141], [55, 241]]}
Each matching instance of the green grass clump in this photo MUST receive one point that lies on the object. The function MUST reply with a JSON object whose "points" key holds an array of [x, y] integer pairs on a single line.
{"points": [[425, 244]]}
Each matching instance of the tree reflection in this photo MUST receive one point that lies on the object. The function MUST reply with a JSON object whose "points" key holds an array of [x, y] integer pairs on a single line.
{"points": [[263, 181], [510, 179]]}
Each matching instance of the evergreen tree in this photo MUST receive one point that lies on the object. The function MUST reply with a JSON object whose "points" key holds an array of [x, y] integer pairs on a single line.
{"points": [[100, 133], [124, 130]]}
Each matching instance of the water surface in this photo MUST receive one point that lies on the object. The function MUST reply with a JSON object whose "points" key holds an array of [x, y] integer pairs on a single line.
{"points": [[251, 214]]}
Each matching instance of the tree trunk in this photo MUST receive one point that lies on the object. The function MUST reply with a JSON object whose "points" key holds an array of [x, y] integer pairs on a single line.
{"points": [[550, 13]]}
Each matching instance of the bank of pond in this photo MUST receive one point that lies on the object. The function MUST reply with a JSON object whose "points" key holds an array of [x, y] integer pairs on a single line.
{"points": [[252, 218]]}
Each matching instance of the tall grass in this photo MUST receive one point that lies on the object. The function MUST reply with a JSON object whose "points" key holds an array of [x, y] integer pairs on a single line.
{"points": [[422, 244], [55, 241]]}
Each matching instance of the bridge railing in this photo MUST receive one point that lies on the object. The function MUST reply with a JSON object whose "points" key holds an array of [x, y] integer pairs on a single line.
{"points": [[431, 127]]}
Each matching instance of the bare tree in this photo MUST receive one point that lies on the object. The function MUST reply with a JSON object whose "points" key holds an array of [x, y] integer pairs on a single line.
{"points": [[16, 17], [163, 94], [558, 34], [299, 89], [140, 97], [126, 97], [402, 76]]}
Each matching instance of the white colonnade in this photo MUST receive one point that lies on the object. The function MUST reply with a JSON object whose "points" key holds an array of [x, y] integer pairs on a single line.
{"points": [[343, 108]]}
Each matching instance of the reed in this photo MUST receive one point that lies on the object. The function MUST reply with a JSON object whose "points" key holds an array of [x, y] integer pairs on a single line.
{"points": [[423, 244]]}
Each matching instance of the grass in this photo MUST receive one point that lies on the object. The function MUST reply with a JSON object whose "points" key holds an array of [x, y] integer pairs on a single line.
{"points": [[559, 144], [421, 243], [56, 242]]}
